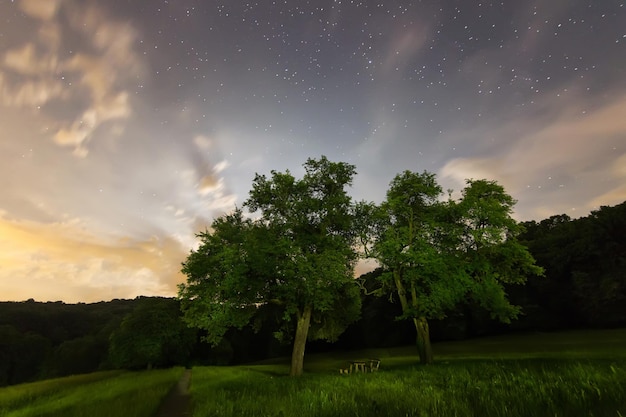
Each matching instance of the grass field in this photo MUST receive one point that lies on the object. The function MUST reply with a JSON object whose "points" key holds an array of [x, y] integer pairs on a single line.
{"points": [[580, 373], [561, 374], [128, 394]]}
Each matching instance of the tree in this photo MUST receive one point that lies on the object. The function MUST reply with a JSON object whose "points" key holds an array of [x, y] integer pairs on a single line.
{"points": [[550, 303], [585, 262], [153, 334], [437, 254], [298, 253], [598, 263], [22, 355], [78, 356]]}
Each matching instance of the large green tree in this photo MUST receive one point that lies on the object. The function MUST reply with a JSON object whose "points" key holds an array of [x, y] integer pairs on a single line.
{"points": [[296, 250], [437, 254]]}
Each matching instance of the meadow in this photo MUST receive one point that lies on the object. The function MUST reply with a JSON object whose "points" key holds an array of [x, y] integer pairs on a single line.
{"points": [[100, 394], [580, 373], [561, 374]]}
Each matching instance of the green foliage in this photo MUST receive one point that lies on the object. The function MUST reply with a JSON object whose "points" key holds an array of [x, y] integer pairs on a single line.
{"points": [[451, 250], [22, 355], [39, 340], [152, 335], [585, 262], [344, 309], [437, 254], [220, 291], [81, 355], [297, 253]]}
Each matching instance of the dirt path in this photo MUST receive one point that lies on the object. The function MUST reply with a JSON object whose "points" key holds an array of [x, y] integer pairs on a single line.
{"points": [[178, 402]]}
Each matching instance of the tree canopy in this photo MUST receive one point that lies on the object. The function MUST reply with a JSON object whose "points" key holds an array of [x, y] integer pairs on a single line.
{"points": [[437, 254], [298, 253], [585, 262], [153, 334]]}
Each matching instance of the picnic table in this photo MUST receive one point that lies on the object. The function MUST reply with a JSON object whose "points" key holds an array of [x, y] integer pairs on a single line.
{"points": [[363, 365]]}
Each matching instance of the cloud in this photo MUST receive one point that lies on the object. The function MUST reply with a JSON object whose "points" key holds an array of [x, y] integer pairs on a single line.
{"points": [[404, 46], [42, 257], [617, 193], [619, 167], [221, 166], [50, 35], [108, 108], [95, 76], [211, 183], [208, 183], [71, 137], [29, 94], [202, 142], [37, 85], [40, 9], [203, 192], [24, 61], [561, 164]]}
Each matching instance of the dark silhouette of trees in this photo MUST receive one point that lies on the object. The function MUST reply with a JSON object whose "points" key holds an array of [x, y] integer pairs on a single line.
{"points": [[152, 335], [41, 340], [54, 339], [585, 263]]}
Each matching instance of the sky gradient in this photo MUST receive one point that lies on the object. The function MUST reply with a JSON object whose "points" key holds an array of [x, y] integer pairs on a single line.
{"points": [[126, 126]]}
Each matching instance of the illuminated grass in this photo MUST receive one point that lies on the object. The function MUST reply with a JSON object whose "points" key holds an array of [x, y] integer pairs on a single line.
{"points": [[17, 396], [129, 394], [461, 388], [491, 377], [559, 374]]}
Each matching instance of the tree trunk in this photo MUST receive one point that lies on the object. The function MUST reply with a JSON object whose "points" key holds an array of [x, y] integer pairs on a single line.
{"points": [[299, 343], [424, 348]]}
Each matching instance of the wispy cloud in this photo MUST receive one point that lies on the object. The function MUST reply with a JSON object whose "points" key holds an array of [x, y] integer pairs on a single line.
{"points": [[36, 73], [40, 9], [568, 154]]}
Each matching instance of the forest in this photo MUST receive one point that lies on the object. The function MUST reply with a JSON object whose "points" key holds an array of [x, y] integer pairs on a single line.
{"points": [[583, 286]]}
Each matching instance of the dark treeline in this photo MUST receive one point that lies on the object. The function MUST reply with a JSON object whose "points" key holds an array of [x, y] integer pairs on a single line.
{"points": [[585, 264], [38, 340], [584, 286]]}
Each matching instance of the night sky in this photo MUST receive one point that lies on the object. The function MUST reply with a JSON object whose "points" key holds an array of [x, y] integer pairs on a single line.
{"points": [[126, 126]]}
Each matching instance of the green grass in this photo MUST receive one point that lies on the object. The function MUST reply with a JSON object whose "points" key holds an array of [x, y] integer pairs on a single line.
{"points": [[562, 374], [17, 396], [580, 373], [129, 394]]}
